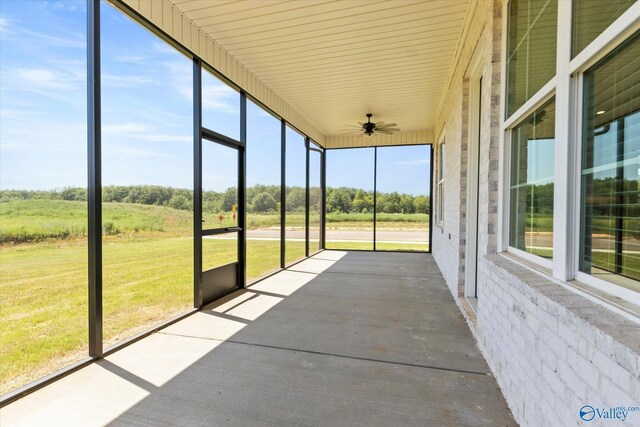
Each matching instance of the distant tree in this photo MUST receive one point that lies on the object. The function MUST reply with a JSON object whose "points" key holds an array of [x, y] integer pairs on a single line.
{"points": [[406, 204], [180, 201], [229, 198], [421, 204], [295, 200], [264, 203], [74, 193]]}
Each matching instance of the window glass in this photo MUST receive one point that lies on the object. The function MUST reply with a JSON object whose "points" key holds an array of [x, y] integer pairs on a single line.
{"points": [[349, 221], [315, 201], [402, 198], [220, 106], [296, 196], [531, 210], [147, 174], [441, 183], [219, 185], [592, 17], [263, 192], [610, 235], [531, 49], [43, 189]]}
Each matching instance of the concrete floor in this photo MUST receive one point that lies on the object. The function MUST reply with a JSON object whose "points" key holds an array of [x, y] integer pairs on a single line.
{"points": [[342, 339]]}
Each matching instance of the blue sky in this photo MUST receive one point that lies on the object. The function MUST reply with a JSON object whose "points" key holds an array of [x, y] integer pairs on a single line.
{"points": [[146, 113], [403, 169]]}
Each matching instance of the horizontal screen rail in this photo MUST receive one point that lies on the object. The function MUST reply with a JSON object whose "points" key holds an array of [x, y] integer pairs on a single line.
{"points": [[225, 230]]}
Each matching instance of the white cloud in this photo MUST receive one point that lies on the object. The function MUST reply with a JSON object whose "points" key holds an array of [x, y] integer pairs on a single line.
{"points": [[124, 81], [126, 128], [133, 152], [219, 98], [141, 132], [48, 79], [78, 40], [4, 25]]}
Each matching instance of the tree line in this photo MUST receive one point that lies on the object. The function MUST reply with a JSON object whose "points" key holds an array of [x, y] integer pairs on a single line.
{"points": [[260, 198]]}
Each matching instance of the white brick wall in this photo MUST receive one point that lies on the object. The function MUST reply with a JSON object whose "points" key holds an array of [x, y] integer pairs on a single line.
{"points": [[550, 349]]}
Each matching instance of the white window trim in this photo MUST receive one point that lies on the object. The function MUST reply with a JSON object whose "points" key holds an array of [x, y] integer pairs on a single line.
{"points": [[567, 86], [440, 184], [506, 192]]}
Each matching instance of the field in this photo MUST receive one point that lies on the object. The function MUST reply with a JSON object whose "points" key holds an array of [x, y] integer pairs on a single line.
{"points": [[43, 273]]}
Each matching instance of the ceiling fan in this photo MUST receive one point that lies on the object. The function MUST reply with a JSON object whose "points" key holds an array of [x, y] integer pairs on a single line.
{"points": [[369, 128]]}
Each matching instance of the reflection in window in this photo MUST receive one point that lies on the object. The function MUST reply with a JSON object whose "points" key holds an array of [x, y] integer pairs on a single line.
{"points": [[263, 192], [220, 106], [402, 199], [349, 221], [295, 196], [43, 182], [531, 211], [610, 234], [592, 17], [147, 173], [531, 49], [315, 201]]}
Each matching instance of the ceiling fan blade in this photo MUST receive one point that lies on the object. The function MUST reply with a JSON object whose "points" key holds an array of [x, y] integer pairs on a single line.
{"points": [[350, 131], [390, 129], [388, 125], [380, 123], [360, 124], [386, 132]]}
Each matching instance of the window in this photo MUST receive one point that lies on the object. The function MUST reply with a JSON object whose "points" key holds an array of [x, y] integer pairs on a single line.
{"points": [[315, 200], [531, 49], [402, 197], [147, 176], [441, 165], [592, 17], [610, 225], [349, 220], [531, 199], [263, 192], [295, 196], [220, 106], [43, 189]]}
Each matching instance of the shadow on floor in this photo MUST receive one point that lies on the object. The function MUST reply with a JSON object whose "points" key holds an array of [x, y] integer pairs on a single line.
{"points": [[344, 338]]}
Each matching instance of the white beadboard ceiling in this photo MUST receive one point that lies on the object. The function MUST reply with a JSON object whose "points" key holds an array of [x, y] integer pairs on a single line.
{"points": [[336, 60]]}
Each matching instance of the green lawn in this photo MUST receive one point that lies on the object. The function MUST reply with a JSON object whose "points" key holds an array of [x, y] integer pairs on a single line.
{"points": [[44, 295], [381, 246]]}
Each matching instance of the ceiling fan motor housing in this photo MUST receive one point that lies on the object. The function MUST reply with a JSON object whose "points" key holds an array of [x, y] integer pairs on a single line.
{"points": [[369, 128]]}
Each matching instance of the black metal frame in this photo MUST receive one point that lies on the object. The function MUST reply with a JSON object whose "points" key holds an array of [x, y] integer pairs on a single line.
{"points": [[198, 298], [307, 203], [323, 189], [375, 195], [94, 167], [375, 206], [283, 190], [314, 147]]}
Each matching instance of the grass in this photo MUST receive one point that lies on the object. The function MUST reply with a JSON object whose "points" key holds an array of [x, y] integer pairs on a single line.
{"points": [[44, 295], [43, 274], [380, 246]]}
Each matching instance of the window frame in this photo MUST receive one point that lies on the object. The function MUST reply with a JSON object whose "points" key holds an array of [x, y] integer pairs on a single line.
{"points": [[440, 182], [567, 86]]}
